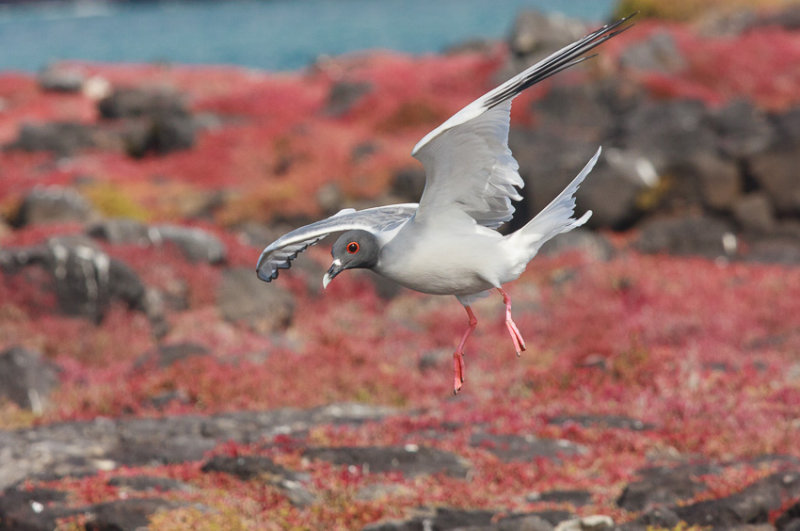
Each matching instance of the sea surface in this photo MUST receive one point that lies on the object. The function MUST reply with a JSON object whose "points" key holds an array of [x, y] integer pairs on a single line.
{"points": [[264, 34]]}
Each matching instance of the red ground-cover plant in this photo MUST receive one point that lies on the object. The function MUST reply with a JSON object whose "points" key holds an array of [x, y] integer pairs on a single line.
{"points": [[704, 353], [760, 64]]}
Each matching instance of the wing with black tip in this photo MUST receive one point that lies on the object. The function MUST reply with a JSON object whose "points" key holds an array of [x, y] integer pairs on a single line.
{"points": [[380, 221]]}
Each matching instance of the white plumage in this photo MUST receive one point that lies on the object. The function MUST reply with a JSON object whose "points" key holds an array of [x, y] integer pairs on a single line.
{"points": [[447, 244]]}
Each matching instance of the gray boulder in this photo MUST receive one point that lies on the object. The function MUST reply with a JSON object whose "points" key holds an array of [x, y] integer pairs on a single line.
{"points": [[60, 138], [742, 129], [26, 378], [59, 78], [53, 204], [537, 34], [344, 95], [657, 52], [691, 235], [84, 277], [142, 102], [242, 297], [775, 170]]}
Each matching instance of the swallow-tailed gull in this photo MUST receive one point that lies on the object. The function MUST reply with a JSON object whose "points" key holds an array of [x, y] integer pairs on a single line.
{"points": [[448, 243]]}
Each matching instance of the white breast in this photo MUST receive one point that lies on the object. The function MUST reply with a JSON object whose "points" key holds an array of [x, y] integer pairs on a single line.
{"points": [[447, 259]]}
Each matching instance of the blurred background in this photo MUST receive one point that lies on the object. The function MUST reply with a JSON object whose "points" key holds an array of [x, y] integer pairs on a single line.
{"points": [[150, 150], [274, 35]]}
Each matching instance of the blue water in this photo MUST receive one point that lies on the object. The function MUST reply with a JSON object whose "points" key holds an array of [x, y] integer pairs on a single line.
{"points": [[273, 35]]}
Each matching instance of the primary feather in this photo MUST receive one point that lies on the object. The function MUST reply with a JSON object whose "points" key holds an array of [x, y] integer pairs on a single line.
{"points": [[468, 164]]}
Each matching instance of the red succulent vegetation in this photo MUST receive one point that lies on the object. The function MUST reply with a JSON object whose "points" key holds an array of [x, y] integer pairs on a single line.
{"points": [[703, 353]]}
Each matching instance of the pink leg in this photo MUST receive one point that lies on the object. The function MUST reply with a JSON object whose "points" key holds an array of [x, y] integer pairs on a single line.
{"points": [[516, 337], [458, 355]]}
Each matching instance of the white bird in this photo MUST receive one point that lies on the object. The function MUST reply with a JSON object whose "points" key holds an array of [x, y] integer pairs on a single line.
{"points": [[447, 244]]}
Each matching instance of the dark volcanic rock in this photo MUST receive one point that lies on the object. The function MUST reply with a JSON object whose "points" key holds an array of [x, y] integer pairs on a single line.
{"points": [[719, 179], [610, 421], [330, 198], [535, 33], [60, 138], [156, 120], [575, 497], [197, 245], [592, 244], [753, 212], [40, 509], [750, 506], [789, 520], [693, 235], [148, 483], [30, 509], [447, 518], [159, 135], [26, 378], [79, 448], [779, 250], [133, 513], [660, 487], [246, 466], [546, 175], [344, 95], [575, 111], [742, 129], [444, 518], [167, 355], [523, 522], [139, 102], [683, 131], [85, 278], [121, 231], [656, 52], [53, 205], [408, 183], [510, 447], [612, 192], [786, 16], [775, 170], [243, 297], [56, 78], [659, 517], [787, 129], [411, 460], [253, 466]]}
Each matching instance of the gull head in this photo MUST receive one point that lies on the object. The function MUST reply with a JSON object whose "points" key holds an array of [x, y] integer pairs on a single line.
{"points": [[354, 249]]}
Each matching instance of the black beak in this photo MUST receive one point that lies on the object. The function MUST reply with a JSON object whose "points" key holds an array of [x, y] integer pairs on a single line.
{"points": [[335, 269]]}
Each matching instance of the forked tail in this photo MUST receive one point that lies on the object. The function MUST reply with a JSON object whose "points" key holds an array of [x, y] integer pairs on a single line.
{"points": [[555, 218]]}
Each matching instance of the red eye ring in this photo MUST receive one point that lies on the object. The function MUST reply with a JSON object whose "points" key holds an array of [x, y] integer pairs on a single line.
{"points": [[353, 247]]}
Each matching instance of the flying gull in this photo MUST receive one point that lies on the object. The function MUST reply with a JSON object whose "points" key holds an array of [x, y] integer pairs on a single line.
{"points": [[448, 243]]}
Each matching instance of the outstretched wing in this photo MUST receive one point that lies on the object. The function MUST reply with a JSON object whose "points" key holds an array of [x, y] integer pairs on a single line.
{"points": [[468, 164], [380, 221]]}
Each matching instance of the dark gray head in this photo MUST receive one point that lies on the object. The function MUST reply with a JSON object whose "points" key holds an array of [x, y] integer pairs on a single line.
{"points": [[354, 249]]}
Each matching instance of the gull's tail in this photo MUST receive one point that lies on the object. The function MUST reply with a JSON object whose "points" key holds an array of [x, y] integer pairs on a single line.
{"points": [[556, 218]]}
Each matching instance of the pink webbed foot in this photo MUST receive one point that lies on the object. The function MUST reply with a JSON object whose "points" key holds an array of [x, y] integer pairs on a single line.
{"points": [[516, 336], [458, 355]]}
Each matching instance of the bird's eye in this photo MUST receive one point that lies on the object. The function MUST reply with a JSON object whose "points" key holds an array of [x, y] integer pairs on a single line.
{"points": [[352, 247]]}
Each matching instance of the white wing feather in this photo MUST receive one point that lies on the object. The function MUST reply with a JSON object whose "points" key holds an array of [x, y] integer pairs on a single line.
{"points": [[468, 164]]}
